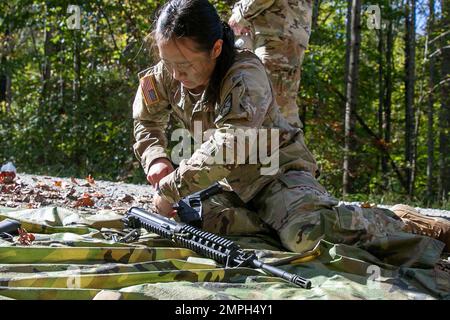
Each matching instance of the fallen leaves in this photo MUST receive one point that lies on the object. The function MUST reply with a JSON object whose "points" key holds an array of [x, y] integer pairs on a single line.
{"points": [[37, 191], [98, 195], [126, 198], [90, 180], [7, 173], [7, 177], [43, 186], [25, 238], [84, 201], [70, 194], [368, 205], [7, 188]]}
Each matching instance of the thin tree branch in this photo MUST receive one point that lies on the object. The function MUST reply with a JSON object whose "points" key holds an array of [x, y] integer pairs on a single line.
{"points": [[440, 36], [378, 142], [109, 28], [438, 51]]}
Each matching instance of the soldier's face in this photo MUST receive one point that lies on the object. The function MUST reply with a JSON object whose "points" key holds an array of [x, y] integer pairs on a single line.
{"points": [[193, 68]]}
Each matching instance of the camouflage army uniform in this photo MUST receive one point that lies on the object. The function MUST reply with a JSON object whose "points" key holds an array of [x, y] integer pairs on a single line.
{"points": [[281, 31], [291, 202]]}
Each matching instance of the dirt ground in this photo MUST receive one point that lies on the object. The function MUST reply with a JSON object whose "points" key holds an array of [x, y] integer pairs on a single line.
{"points": [[88, 194]]}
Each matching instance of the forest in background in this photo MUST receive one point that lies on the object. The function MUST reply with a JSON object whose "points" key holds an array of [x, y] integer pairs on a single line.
{"points": [[374, 95]]}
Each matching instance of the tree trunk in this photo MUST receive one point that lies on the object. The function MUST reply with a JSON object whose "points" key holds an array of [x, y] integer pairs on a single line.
{"points": [[5, 74], [315, 14], [388, 96], [303, 116], [381, 109], [410, 52], [351, 90], [444, 112], [62, 82], [376, 140], [76, 67], [430, 108], [46, 65], [4, 80]]}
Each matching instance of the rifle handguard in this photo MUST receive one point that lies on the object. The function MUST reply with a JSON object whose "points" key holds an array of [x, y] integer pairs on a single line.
{"points": [[205, 243]]}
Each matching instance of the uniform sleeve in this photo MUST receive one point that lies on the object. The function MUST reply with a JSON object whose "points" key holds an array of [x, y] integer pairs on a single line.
{"points": [[245, 99], [151, 110], [245, 10]]}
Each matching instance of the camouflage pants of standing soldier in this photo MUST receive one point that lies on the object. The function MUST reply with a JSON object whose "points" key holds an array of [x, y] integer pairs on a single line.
{"points": [[283, 60], [302, 212]]}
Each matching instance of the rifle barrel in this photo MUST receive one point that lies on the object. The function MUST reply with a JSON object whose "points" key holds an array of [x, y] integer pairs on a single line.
{"points": [[293, 278], [208, 244]]}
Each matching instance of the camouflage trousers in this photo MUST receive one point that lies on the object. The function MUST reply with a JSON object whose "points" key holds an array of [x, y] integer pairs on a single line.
{"points": [[302, 213], [283, 60]]}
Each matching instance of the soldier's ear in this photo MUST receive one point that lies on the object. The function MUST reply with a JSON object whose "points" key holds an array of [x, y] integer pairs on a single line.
{"points": [[217, 49]]}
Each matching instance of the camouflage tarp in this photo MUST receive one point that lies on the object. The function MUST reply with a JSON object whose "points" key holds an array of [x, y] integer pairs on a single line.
{"points": [[73, 257]]}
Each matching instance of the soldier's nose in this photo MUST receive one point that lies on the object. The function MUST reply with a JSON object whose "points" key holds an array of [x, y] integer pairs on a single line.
{"points": [[179, 76]]}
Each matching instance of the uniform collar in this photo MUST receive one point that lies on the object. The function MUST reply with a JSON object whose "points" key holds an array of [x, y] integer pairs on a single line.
{"points": [[201, 104]]}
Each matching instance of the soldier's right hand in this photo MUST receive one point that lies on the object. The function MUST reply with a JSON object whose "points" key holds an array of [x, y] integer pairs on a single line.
{"points": [[237, 28], [159, 169]]}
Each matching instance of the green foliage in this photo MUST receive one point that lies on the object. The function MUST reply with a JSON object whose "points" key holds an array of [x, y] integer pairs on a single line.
{"points": [[52, 127], [47, 129], [322, 105]]}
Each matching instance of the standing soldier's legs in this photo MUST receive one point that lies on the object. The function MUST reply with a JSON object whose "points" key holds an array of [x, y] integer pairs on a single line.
{"points": [[303, 213], [283, 59]]}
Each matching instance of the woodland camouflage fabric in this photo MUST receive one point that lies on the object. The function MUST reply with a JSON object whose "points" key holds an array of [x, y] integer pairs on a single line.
{"points": [[280, 35], [246, 104], [74, 257]]}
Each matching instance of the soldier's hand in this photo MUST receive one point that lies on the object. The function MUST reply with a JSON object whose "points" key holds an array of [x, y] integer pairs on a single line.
{"points": [[237, 27], [159, 169], [163, 207]]}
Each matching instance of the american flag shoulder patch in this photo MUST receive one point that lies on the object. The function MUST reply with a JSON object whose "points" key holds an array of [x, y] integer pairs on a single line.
{"points": [[149, 90]]}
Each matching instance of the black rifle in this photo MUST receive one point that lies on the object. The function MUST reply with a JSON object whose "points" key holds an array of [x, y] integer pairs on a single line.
{"points": [[189, 209], [9, 228], [207, 244]]}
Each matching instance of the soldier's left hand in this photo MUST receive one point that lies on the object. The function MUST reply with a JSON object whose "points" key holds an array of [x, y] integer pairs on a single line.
{"points": [[163, 207], [237, 27]]}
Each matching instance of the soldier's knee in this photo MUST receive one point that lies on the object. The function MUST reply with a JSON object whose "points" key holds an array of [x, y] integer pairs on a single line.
{"points": [[301, 233], [233, 221]]}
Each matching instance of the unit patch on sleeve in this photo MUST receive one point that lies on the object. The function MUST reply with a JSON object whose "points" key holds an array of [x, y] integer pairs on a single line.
{"points": [[149, 89]]}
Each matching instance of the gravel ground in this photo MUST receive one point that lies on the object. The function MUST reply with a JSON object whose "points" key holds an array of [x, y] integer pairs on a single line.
{"points": [[33, 191], [426, 211]]}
